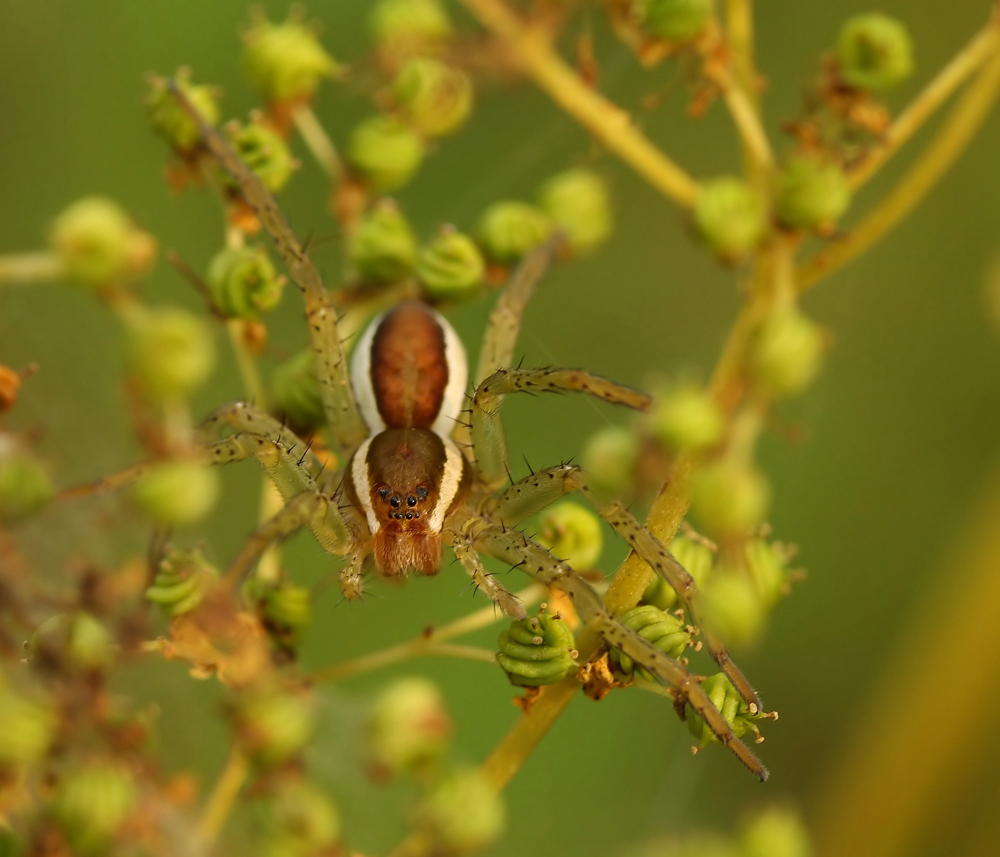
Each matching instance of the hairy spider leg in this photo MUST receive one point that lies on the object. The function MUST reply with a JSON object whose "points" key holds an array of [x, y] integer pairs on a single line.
{"points": [[509, 603], [513, 547], [345, 423]]}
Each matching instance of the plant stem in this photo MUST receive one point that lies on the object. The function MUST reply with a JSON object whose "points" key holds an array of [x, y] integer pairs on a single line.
{"points": [[532, 50], [318, 142], [756, 146], [961, 126], [224, 793], [39, 266]]}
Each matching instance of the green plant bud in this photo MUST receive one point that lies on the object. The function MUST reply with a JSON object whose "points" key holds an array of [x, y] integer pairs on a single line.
{"points": [[99, 245], [383, 248], [179, 491], [573, 533], [664, 630], [537, 651], [674, 20], [295, 391], [274, 724], [435, 98], [464, 812], [811, 193], [265, 151], [242, 282], [696, 556], [182, 580], [787, 352], [409, 727], [385, 152], [171, 120], [687, 418], [579, 204], [285, 62], [25, 485], [610, 457], [731, 706], [29, 726], [730, 216], [509, 230], [767, 564], [874, 52], [410, 26], [775, 832], [287, 609], [92, 801], [450, 267], [298, 820], [170, 353], [734, 609], [77, 640], [730, 497]]}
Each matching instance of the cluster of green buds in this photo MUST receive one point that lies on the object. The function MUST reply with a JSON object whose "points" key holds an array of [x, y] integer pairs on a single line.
{"points": [[182, 580], [409, 728], [243, 283], [177, 491], [25, 484], [295, 392], [450, 266], [731, 706], [665, 631], [92, 801], [537, 651], [274, 723], [171, 120], [295, 818]]}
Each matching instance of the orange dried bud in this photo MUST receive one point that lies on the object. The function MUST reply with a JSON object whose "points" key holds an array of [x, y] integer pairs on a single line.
{"points": [[10, 385]]}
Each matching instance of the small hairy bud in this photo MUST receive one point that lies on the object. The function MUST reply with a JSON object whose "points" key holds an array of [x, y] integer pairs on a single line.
{"points": [[285, 62], [464, 812], [180, 491], [578, 202], [169, 353], [730, 216], [274, 724], [573, 533], [383, 247], [409, 728], [182, 579], [295, 391], [687, 418], [265, 151], [610, 457], [450, 266], [509, 230], [812, 193], [434, 98], [664, 630], [537, 651], [787, 352], [25, 485], [297, 818], [408, 27], [385, 152], [171, 120], [92, 801], [875, 52], [775, 832], [731, 706], [730, 497], [29, 725], [674, 20], [243, 283]]}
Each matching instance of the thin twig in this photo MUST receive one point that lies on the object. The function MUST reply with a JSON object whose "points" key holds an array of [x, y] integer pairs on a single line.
{"points": [[38, 266], [224, 793], [318, 142]]}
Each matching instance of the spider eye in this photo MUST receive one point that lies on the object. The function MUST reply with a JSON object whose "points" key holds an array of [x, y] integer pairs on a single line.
{"points": [[394, 502], [422, 493], [383, 493], [411, 501]]}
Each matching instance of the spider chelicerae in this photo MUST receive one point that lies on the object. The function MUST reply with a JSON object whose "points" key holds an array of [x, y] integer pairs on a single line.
{"points": [[421, 470]]}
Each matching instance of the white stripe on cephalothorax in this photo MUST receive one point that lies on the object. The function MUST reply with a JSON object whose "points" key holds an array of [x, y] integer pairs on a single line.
{"points": [[362, 485], [458, 377], [451, 479], [361, 377]]}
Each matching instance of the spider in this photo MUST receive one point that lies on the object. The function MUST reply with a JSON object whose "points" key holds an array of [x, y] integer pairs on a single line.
{"points": [[407, 488]]}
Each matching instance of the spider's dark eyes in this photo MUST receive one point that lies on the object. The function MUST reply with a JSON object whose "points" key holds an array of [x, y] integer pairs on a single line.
{"points": [[383, 493], [422, 493], [394, 502], [409, 516], [411, 501]]}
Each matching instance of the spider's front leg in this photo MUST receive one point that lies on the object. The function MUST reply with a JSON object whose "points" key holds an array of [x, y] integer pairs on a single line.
{"points": [[466, 554]]}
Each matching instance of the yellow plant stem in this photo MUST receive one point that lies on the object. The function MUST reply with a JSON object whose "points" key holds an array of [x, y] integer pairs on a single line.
{"points": [[22, 268], [220, 802], [923, 731], [961, 126], [532, 50], [746, 117], [318, 142]]}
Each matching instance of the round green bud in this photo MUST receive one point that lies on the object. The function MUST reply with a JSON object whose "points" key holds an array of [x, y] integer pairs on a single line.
{"points": [[573, 533], [25, 485], [537, 651], [297, 818], [730, 216], [409, 727], [98, 244], [383, 248], [767, 564], [579, 204], [450, 266], [435, 98], [179, 491], [295, 391], [674, 20], [732, 707], [169, 353], [285, 62], [405, 27], [610, 457], [242, 282], [730, 497], [92, 801], [29, 726], [811, 193], [664, 630], [509, 230], [687, 418], [285, 608], [182, 580], [385, 152], [464, 812], [171, 120], [787, 353], [76, 640], [264, 151], [775, 832], [874, 52], [274, 724], [733, 608], [696, 557]]}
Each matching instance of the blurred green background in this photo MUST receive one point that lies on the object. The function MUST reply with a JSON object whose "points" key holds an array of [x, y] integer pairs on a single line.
{"points": [[893, 448]]}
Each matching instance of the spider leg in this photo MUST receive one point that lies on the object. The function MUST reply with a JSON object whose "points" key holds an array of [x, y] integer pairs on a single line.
{"points": [[342, 414], [466, 554], [487, 430], [244, 417], [515, 548]]}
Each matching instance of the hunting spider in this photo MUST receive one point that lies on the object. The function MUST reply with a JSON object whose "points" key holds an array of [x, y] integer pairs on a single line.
{"points": [[406, 488]]}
